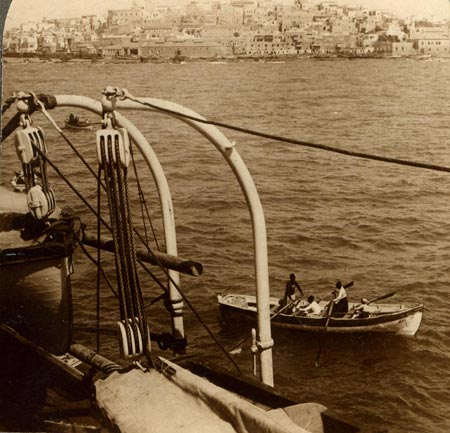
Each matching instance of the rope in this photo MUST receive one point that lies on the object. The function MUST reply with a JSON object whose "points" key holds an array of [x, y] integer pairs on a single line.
{"points": [[70, 185], [98, 260], [7, 104], [132, 309], [124, 300], [188, 303], [67, 140], [296, 142], [89, 256], [143, 204], [131, 250]]}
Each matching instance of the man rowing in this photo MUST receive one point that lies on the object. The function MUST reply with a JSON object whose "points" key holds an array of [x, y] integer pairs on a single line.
{"points": [[313, 307]]}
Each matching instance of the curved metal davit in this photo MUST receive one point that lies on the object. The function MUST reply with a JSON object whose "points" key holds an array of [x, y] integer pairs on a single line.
{"points": [[231, 155]]}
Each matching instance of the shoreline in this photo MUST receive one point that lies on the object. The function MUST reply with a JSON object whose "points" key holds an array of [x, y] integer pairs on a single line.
{"points": [[36, 58]]}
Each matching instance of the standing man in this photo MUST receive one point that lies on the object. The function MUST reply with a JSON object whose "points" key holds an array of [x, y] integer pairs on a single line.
{"points": [[340, 301], [289, 293]]}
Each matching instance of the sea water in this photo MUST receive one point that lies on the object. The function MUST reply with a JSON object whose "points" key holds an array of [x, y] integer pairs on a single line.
{"points": [[329, 216]]}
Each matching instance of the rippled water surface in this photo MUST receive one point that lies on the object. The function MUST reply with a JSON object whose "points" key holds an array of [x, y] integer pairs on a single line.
{"points": [[329, 216]]}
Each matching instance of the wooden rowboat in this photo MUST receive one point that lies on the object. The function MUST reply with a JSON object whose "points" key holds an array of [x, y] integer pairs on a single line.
{"points": [[78, 124], [398, 319]]}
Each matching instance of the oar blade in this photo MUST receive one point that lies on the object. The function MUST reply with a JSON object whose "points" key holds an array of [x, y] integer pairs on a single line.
{"points": [[321, 340], [379, 298]]}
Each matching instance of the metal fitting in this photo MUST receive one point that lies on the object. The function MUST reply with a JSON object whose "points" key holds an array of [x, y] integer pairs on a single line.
{"points": [[268, 344]]}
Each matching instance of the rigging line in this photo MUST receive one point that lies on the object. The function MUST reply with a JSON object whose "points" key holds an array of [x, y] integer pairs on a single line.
{"points": [[114, 214], [122, 175], [152, 275], [98, 259], [70, 185], [149, 249], [58, 129], [123, 289], [182, 295], [155, 300], [7, 104], [63, 177], [67, 140], [188, 303], [144, 203], [52, 121], [298, 142], [140, 192], [99, 266]]}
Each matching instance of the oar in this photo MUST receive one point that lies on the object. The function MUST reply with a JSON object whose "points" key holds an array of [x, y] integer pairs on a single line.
{"points": [[330, 312], [350, 284], [346, 286], [271, 317], [379, 298], [330, 307]]}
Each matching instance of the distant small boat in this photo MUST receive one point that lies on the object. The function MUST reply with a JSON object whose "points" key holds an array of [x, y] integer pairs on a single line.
{"points": [[75, 122], [374, 318]]}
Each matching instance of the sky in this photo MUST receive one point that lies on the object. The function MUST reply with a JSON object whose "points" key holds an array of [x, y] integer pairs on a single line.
{"points": [[32, 10]]}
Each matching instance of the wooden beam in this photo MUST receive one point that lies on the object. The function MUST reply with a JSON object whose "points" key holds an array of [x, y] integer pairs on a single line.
{"points": [[156, 258]]}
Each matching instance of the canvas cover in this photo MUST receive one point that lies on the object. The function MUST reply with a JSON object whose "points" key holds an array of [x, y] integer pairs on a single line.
{"points": [[144, 402]]}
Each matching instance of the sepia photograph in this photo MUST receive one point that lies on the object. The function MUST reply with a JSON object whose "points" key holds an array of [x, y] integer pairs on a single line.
{"points": [[225, 216]]}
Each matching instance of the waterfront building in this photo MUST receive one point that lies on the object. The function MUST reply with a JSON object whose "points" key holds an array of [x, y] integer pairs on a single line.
{"points": [[193, 49], [300, 39], [268, 44], [430, 40], [428, 32], [433, 46], [106, 40], [228, 36], [28, 43], [389, 48]]}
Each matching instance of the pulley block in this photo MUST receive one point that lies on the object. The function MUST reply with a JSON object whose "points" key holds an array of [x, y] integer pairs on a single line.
{"points": [[134, 346], [27, 140], [109, 138], [41, 203]]}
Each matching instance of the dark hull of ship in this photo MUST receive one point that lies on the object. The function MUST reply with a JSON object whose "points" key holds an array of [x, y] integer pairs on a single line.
{"points": [[35, 300]]}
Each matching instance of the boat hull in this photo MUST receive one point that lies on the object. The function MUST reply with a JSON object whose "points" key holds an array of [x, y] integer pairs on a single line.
{"points": [[380, 318], [78, 127], [35, 293], [35, 300]]}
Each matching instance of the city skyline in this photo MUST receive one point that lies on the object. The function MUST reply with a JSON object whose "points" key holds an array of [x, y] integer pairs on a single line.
{"points": [[22, 10]]}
